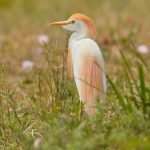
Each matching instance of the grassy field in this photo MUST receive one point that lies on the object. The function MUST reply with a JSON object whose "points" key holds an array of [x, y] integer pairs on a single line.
{"points": [[38, 102]]}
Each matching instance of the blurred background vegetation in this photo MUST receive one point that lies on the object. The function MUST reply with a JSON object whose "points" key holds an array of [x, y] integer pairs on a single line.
{"points": [[39, 104], [116, 21]]}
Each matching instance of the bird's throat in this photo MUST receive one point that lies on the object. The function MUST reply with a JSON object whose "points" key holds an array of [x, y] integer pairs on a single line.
{"points": [[76, 36]]}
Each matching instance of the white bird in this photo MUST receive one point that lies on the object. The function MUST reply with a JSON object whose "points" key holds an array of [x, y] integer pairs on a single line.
{"points": [[85, 61]]}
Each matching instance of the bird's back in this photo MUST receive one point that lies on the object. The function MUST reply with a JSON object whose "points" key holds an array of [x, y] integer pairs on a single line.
{"points": [[89, 73]]}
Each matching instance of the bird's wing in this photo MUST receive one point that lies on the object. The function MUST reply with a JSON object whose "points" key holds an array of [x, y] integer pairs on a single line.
{"points": [[70, 64], [91, 80]]}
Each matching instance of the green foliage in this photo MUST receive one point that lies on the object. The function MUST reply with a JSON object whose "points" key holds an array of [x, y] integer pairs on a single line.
{"points": [[52, 116]]}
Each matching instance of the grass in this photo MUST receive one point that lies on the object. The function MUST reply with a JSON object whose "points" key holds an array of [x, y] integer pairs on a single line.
{"points": [[39, 107]]}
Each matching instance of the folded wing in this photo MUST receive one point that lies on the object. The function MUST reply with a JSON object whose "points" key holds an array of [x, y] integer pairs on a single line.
{"points": [[91, 82]]}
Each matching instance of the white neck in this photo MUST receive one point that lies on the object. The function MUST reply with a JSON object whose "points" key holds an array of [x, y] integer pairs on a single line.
{"points": [[76, 36]]}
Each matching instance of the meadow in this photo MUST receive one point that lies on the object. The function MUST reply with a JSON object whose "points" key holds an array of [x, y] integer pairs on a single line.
{"points": [[39, 105]]}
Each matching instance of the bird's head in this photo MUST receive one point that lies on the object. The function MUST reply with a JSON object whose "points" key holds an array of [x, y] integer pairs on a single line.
{"points": [[78, 23]]}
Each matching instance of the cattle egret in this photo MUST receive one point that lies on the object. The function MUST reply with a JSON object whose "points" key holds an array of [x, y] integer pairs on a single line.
{"points": [[85, 61]]}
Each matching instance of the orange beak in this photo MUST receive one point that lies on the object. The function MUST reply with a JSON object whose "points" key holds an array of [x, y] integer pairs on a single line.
{"points": [[60, 23]]}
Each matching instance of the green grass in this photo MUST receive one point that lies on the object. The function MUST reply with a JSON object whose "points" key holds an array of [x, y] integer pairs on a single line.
{"points": [[41, 105]]}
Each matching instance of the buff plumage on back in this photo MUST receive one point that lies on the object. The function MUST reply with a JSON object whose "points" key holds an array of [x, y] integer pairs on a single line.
{"points": [[91, 87], [91, 32]]}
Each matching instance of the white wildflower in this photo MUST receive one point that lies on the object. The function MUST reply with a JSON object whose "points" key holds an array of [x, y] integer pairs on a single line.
{"points": [[37, 143], [27, 64], [42, 39], [143, 49]]}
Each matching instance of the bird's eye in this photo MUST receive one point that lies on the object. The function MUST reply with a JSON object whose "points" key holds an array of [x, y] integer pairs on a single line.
{"points": [[73, 21]]}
